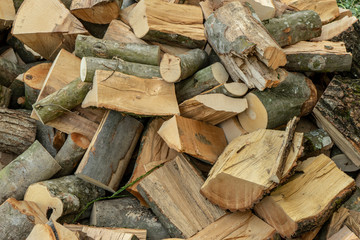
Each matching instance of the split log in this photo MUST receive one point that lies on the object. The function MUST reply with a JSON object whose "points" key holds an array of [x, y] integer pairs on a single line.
{"points": [[344, 234], [344, 12], [5, 95], [71, 153], [19, 218], [127, 93], [337, 112], [57, 32], [88, 46], [121, 32], [239, 225], [173, 50], [232, 128], [125, 12], [66, 195], [198, 139], [96, 11], [168, 188], [7, 14], [322, 56], [9, 71], [294, 27], [316, 142], [232, 89], [59, 139], [174, 24], [327, 9], [90, 64], [335, 28], [110, 150], [232, 184], [33, 165], [203, 80], [212, 108], [179, 67], [153, 150], [295, 96], [25, 55], [51, 231], [307, 200], [127, 213]]}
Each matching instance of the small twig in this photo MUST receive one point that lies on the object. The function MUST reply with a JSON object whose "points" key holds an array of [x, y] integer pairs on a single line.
{"points": [[114, 70], [55, 105]]}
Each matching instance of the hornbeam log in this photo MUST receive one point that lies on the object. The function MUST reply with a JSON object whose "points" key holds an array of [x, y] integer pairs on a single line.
{"points": [[322, 56], [110, 150], [96, 11], [153, 151], [179, 67], [212, 108], [45, 135], [5, 95], [9, 71], [61, 101], [335, 28], [232, 89], [173, 24], [90, 64], [7, 14], [291, 28], [127, 213], [120, 32], [34, 165], [337, 112], [198, 139], [19, 218], [46, 37], [203, 80], [88, 46], [308, 199], [66, 195], [127, 93], [168, 188], [295, 96]]}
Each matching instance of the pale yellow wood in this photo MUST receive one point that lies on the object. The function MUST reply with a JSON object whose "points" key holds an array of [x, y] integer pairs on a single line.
{"points": [[333, 29], [124, 13], [322, 47], [7, 14], [344, 12], [232, 128], [337, 221], [63, 233], [344, 234], [212, 108], [126, 93], [197, 138], [41, 231], [119, 31], [307, 199], [105, 234]]}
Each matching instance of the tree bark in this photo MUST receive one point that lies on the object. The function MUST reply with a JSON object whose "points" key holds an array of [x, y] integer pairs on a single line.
{"points": [[9, 71], [19, 48], [232, 89], [45, 135], [5, 95]]}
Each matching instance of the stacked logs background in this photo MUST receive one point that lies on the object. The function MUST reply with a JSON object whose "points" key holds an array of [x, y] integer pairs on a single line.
{"points": [[163, 119]]}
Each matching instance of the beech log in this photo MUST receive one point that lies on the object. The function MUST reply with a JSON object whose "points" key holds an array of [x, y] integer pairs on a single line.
{"points": [[7, 14], [9, 71], [121, 32], [5, 95]]}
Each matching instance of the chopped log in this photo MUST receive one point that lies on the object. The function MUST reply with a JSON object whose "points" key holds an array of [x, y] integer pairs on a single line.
{"points": [[66, 195], [198, 139], [337, 113], [344, 12], [316, 142], [307, 200], [120, 32], [7, 14], [45, 135], [232, 128], [294, 27], [110, 150], [212, 108], [179, 67], [9, 71], [58, 31], [94, 233], [96, 11], [327, 9], [232, 89], [295, 96], [232, 184], [5, 95], [203, 80], [90, 64], [127, 93], [169, 191], [6, 158], [59, 139], [20, 49], [335, 28], [127, 213], [33, 165], [174, 24], [239, 225], [344, 234], [88, 46], [125, 12], [171, 49], [51, 231], [18, 218], [322, 56], [153, 150], [337, 221]]}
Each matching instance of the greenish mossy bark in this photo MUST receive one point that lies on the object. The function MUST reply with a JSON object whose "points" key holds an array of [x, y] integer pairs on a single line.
{"points": [[5, 94], [17, 91], [9, 71], [316, 141], [192, 61], [31, 95]]}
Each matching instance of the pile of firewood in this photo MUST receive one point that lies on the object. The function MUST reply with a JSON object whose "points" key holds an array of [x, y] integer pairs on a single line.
{"points": [[187, 119]]}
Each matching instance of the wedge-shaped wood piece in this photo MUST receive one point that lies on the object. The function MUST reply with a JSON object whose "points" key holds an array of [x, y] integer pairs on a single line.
{"points": [[198, 139], [344, 234], [321, 56], [308, 199], [126, 93], [170, 192], [212, 108], [239, 225], [7, 14], [47, 37], [337, 112], [173, 24], [121, 32], [51, 230], [232, 184], [335, 28]]}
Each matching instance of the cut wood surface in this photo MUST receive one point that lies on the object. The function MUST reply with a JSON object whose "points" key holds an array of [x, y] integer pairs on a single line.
{"points": [[344, 234], [321, 56], [308, 199], [47, 37], [121, 32], [126, 93], [51, 231], [231, 89], [198, 139], [232, 128], [169, 23], [212, 108], [7, 14], [170, 190], [335, 28], [232, 183]]}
